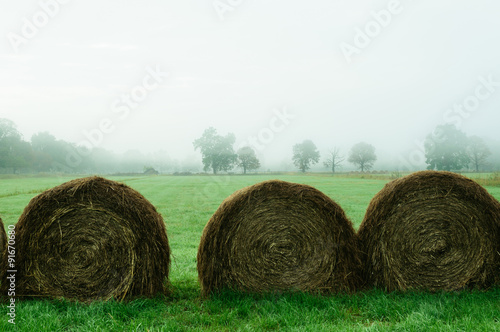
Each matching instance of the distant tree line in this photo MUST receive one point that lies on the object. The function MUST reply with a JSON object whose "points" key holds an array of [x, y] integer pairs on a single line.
{"points": [[449, 149], [446, 148], [362, 155], [46, 154], [218, 154]]}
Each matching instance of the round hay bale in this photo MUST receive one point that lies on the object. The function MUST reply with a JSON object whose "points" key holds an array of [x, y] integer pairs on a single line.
{"points": [[277, 236], [431, 231], [91, 239], [3, 249], [3, 238]]}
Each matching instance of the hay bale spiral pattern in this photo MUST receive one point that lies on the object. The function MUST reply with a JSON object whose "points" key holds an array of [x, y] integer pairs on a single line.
{"points": [[431, 231], [91, 239], [276, 236]]}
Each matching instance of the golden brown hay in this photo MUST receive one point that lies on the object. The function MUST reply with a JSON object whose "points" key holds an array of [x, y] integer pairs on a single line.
{"points": [[276, 236], [91, 239], [431, 231], [3, 237], [3, 247]]}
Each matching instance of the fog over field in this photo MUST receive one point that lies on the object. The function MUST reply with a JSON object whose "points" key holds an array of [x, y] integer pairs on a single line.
{"points": [[152, 76]]}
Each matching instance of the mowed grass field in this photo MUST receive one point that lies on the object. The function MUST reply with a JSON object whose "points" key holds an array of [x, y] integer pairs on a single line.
{"points": [[186, 203]]}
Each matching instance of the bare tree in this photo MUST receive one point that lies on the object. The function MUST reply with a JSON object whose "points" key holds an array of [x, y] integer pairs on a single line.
{"points": [[478, 152], [334, 159]]}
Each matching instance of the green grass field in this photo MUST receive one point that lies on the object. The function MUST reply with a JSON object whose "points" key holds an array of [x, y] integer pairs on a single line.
{"points": [[186, 204]]}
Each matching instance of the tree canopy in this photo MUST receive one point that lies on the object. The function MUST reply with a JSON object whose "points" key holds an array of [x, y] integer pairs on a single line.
{"points": [[247, 159], [446, 149], [362, 155], [216, 150], [305, 154], [14, 152]]}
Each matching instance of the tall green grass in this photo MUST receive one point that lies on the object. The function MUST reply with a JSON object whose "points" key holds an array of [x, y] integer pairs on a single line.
{"points": [[186, 204]]}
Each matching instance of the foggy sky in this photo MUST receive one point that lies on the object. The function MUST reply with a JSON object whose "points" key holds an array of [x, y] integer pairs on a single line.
{"points": [[153, 75]]}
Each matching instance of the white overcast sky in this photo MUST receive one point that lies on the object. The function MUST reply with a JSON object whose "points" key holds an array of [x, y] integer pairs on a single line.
{"points": [[233, 69]]}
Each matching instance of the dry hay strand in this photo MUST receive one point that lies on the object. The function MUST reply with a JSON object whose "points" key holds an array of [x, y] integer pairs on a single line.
{"points": [[91, 239], [431, 231], [279, 236]]}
